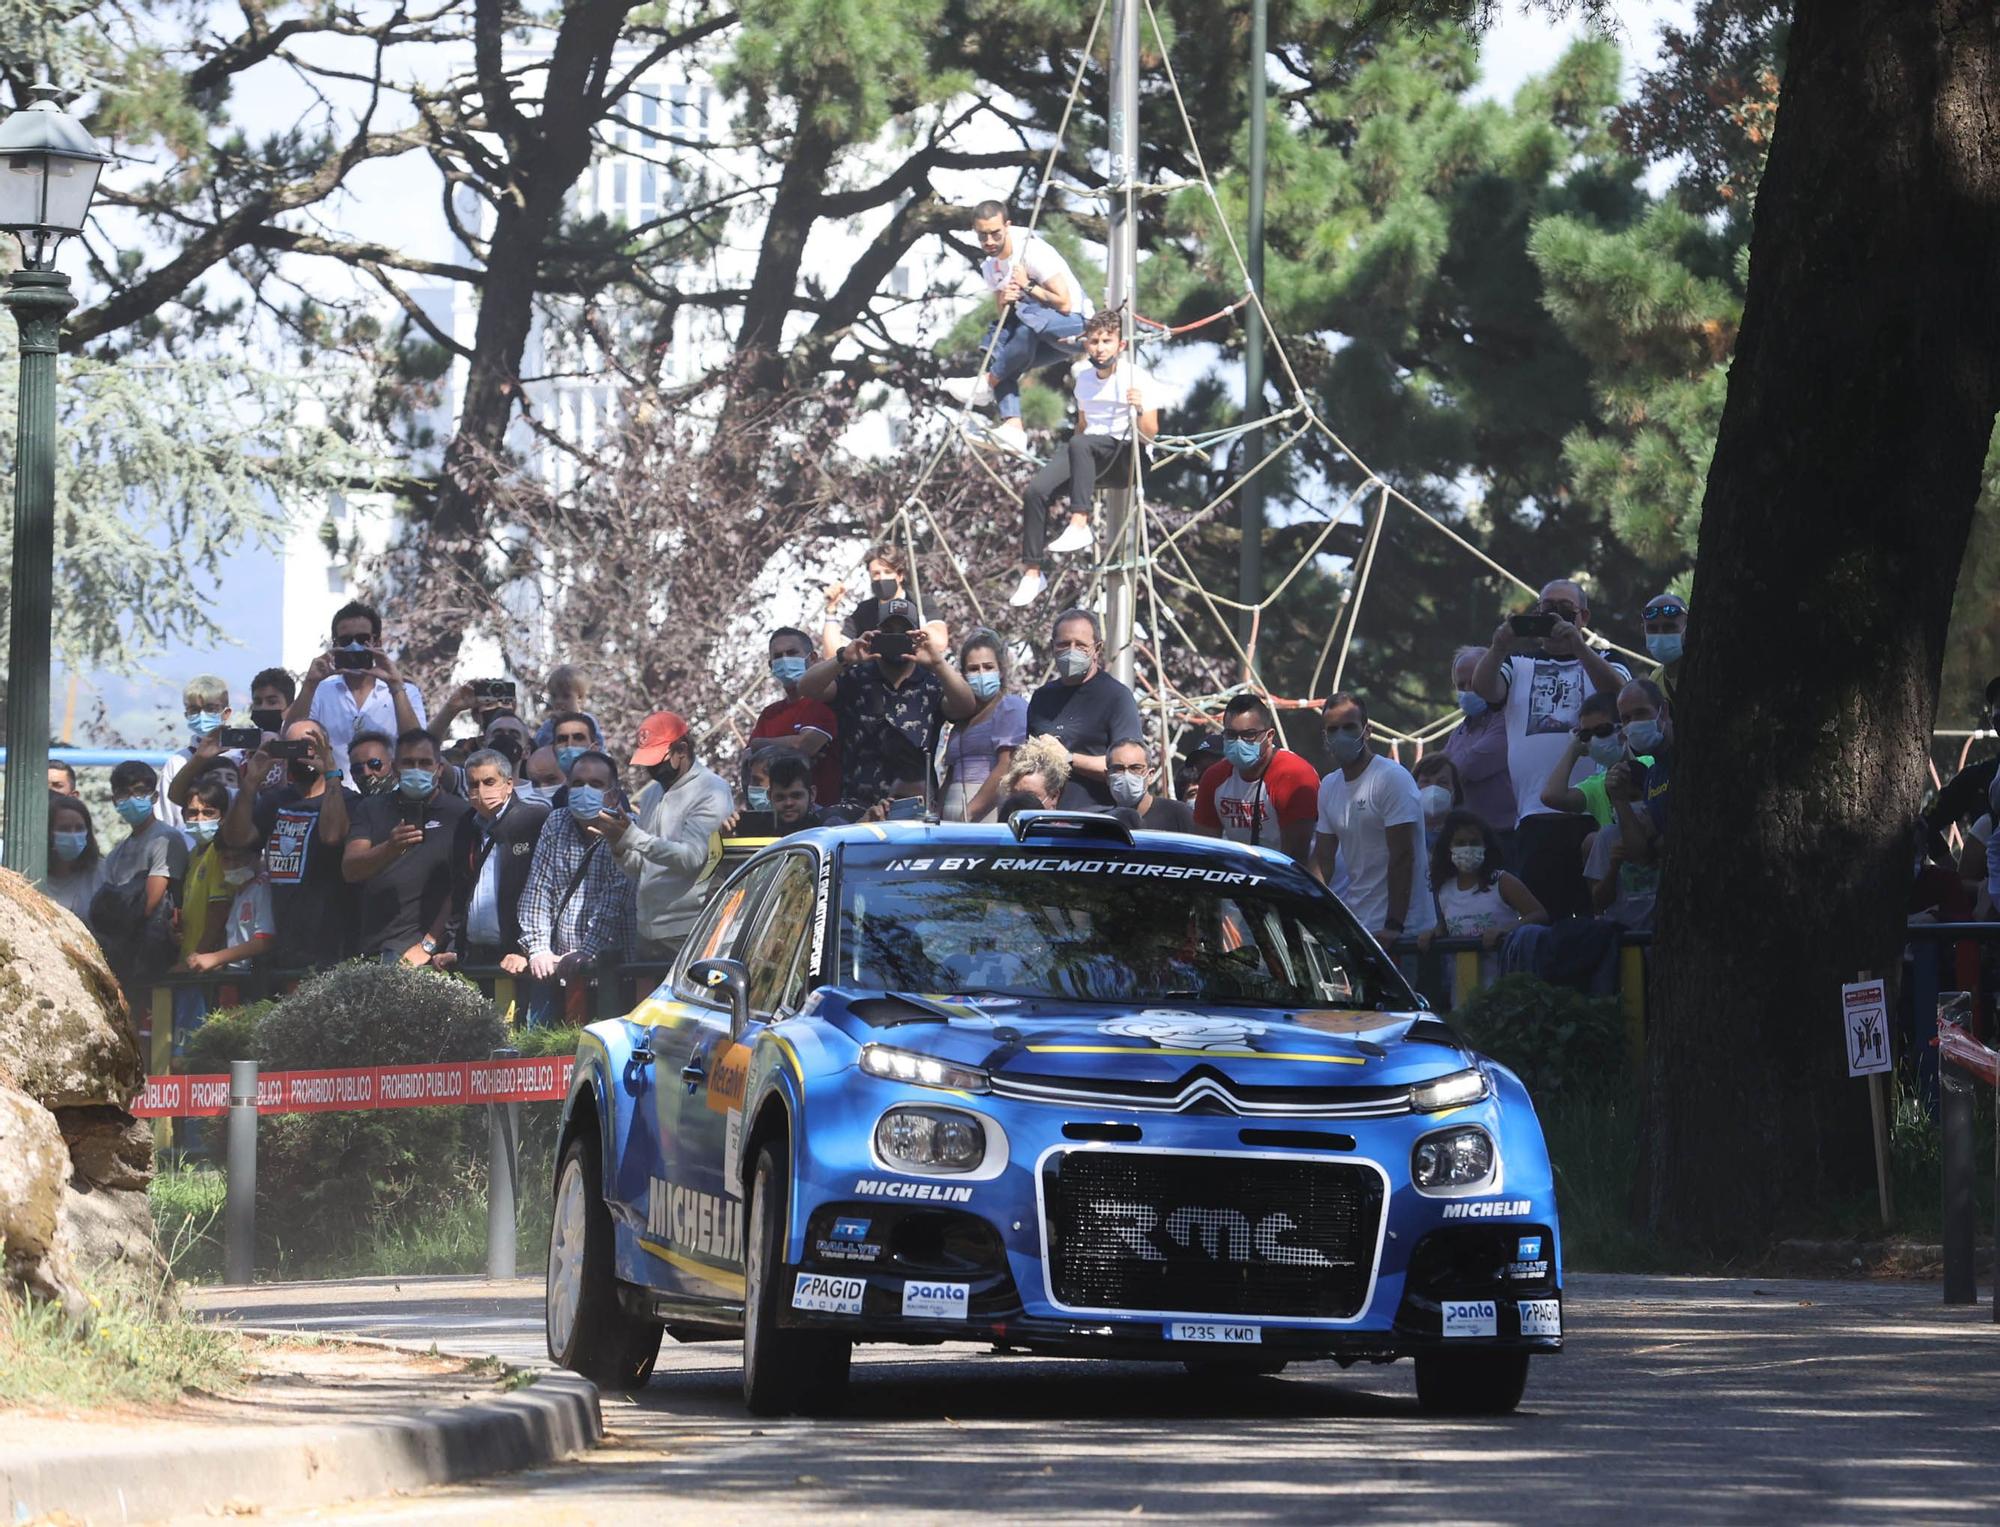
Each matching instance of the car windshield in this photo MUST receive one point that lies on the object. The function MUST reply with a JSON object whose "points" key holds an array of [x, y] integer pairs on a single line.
{"points": [[1085, 924]]}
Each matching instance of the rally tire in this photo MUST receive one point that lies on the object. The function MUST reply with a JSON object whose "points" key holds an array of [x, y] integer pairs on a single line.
{"points": [[1471, 1383], [784, 1371], [589, 1331]]}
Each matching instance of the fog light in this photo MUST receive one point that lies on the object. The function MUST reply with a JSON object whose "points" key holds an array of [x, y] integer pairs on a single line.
{"points": [[931, 1139], [1452, 1158]]}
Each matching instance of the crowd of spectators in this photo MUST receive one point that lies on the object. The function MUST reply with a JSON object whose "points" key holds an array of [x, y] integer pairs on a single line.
{"points": [[338, 820]]}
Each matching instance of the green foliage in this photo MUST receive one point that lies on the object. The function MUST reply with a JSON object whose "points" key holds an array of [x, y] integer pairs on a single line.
{"points": [[365, 1013], [131, 1354], [187, 1202], [1560, 1042], [227, 1034]]}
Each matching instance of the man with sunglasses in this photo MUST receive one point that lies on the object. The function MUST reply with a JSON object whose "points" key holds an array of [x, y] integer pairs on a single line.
{"points": [[1666, 618], [1368, 843], [1540, 681], [1260, 793]]}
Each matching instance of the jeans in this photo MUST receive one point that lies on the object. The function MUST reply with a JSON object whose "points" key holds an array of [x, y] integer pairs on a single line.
{"points": [[1084, 461], [1033, 335]]}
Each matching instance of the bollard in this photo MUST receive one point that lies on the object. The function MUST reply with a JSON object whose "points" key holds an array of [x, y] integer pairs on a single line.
{"points": [[1960, 1275], [502, 1160], [239, 1209]]}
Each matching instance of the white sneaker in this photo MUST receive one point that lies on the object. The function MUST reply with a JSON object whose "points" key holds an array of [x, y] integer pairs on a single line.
{"points": [[1075, 537], [1011, 436], [1029, 590], [974, 390]]}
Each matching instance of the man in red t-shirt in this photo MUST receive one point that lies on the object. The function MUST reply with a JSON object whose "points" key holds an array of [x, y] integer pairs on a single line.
{"points": [[1260, 793], [805, 726]]}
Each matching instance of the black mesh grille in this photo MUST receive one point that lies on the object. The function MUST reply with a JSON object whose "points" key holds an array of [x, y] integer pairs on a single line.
{"points": [[1211, 1235]]}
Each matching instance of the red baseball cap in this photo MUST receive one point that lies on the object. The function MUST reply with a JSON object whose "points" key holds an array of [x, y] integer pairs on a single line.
{"points": [[657, 733]]}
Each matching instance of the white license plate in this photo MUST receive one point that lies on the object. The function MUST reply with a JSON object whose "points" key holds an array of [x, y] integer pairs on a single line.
{"points": [[1188, 1330]]}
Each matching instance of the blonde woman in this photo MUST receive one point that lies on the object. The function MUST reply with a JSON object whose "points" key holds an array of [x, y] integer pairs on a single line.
{"points": [[1036, 776]]}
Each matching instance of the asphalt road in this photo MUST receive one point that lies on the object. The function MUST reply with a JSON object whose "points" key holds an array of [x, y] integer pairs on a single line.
{"points": [[1729, 1400]]}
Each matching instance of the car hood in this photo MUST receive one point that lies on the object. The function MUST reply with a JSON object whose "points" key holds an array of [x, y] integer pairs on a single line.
{"points": [[1246, 1047]]}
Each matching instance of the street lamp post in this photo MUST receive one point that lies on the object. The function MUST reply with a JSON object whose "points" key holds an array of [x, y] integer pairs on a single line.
{"points": [[48, 173]]}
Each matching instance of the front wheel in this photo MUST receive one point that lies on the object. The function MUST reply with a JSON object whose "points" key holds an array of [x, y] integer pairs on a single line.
{"points": [[1471, 1383], [783, 1370], [589, 1331]]}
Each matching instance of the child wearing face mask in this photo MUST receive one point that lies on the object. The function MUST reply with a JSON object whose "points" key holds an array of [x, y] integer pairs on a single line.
{"points": [[247, 929], [205, 700], [1476, 898], [979, 751], [1596, 736], [205, 898]]}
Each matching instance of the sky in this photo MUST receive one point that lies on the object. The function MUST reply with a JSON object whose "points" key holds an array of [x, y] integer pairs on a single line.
{"points": [[1522, 42]]}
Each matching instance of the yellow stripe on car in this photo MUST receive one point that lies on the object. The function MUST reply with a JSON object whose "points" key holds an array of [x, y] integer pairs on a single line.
{"points": [[720, 1276]]}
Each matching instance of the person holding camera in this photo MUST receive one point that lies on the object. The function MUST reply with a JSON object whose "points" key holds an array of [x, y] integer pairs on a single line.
{"points": [[302, 826], [399, 855], [1624, 866], [891, 692], [1537, 671], [373, 695]]}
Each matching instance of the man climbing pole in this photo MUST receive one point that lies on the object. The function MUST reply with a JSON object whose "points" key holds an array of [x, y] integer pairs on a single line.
{"points": [[1112, 393], [1040, 309]]}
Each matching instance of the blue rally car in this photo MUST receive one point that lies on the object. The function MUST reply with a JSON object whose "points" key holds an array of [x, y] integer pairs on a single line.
{"points": [[1058, 1087]]}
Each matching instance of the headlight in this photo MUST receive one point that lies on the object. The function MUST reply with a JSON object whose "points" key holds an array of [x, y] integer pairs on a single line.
{"points": [[1452, 1158], [923, 1070], [933, 1139], [1453, 1091]]}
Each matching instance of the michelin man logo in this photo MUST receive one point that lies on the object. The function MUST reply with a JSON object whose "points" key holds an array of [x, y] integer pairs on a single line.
{"points": [[1172, 1030]]}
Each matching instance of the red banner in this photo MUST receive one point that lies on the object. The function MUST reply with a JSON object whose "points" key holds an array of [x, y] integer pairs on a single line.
{"points": [[356, 1088], [1967, 1053]]}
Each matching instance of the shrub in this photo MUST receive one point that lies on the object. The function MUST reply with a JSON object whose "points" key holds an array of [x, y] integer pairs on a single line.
{"points": [[1560, 1042], [228, 1033], [327, 1182]]}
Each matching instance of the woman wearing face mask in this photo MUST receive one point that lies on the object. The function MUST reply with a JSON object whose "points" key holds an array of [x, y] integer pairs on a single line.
{"points": [[978, 752], [76, 867], [1439, 790], [1476, 898]]}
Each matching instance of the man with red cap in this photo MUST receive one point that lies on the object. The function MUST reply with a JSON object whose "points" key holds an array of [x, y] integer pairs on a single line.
{"points": [[673, 841]]}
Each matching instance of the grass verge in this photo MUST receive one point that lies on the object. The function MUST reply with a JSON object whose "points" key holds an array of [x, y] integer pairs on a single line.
{"points": [[130, 1356]]}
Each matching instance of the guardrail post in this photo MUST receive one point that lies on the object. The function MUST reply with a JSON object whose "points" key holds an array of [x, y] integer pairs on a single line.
{"points": [[1632, 1002], [502, 1160], [1925, 958], [239, 1209], [1960, 1277], [1464, 976], [160, 1055]]}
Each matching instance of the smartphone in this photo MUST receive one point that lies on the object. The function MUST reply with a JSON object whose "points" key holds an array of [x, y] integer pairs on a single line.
{"points": [[268, 720], [894, 644], [297, 750], [906, 808], [351, 662], [238, 736], [1532, 625], [414, 815], [1638, 773], [493, 689]]}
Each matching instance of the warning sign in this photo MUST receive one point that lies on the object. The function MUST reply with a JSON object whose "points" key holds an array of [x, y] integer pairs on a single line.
{"points": [[1864, 1017]]}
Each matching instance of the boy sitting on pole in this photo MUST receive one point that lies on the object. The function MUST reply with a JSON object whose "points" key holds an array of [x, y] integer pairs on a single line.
{"points": [[1111, 392]]}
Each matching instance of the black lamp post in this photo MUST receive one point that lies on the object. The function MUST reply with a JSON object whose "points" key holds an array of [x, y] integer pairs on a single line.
{"points": [[48, 173]]}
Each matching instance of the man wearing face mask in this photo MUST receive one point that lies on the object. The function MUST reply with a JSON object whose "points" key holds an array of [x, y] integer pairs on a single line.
{"points": [[886, 568], [1372, 821], [1666, 618], [1084, 708], [805, 727], [1129, 774], [672, 842], [1260, 793], [491, 850], [303, 827], [1539, 683], [1623, 870], [1598, 739], [205, 698], [371, 694], [890, 705], [577, 908], [1477, 748], [399, 855]]}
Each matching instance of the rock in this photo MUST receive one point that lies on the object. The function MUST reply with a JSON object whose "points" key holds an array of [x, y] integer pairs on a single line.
{"points": [[35, 1252], [109, 1235], [108, 1148], [65, 1036]]}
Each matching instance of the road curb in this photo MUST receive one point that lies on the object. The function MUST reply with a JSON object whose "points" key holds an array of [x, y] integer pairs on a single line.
{"points": [[316, 1465]]}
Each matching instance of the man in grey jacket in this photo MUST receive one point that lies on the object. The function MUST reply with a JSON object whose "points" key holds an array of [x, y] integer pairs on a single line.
{"points": [[673, 842]]}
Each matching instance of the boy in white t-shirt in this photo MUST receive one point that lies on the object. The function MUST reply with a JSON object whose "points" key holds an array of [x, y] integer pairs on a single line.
{"points": [[1039, 312], [1112, 394]]}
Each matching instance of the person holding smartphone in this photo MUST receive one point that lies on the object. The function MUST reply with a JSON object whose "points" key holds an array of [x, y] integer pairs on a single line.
{"points": [[371, 695], [891, 692], [1537, 670], [399, 858]]}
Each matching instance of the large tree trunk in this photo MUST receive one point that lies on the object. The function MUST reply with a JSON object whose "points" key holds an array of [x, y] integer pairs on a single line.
{"points": [[1862, 396]]}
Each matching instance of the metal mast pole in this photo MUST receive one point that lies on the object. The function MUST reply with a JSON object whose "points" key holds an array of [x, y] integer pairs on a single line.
{"points": [[1251, 582], [1122, 586]]}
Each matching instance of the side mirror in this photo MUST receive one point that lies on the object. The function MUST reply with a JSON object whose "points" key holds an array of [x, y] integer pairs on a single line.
{"points": [[726, 981]]}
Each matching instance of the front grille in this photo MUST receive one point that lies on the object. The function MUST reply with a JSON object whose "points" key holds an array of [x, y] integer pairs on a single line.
{"points": [[1204, 1089], [1211, 1235]]}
